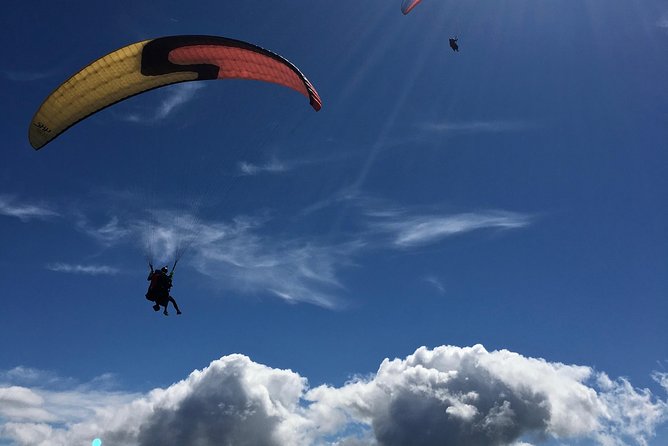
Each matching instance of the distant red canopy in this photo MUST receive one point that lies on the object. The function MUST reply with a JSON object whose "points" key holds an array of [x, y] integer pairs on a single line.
{"points": [[408, 5]]}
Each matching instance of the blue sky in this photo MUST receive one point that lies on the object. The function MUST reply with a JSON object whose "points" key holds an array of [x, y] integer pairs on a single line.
{"points": [[510, 195]]}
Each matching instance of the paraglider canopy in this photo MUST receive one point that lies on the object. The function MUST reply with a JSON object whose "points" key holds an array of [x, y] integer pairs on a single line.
{"points": [[154, 63], [408, 5]]}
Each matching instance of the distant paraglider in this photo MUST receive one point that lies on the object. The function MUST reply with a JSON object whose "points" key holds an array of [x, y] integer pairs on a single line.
{"points": [[155, 63], [408, 5], [453, 44]]}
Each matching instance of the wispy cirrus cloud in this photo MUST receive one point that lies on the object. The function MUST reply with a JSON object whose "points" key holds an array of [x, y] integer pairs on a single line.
{"points": [[294, 270], [272, 166], [275, 165], [348, 195], [237, 255], [415, 230], [37, 378], [663, 22], [246, 256], [436, 283], [107, 234], [175, 97], [451, 395], [411, 227], [10, 207], [28, 376], [480, 126], [240, 255], [662, 379], [93, 270], [25, 75]]}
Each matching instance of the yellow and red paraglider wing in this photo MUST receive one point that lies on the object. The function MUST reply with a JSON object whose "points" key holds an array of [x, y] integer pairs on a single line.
{"points": [[150, 64]]}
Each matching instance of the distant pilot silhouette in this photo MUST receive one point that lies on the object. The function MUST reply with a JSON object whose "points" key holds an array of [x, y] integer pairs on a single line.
{"points": [[453, 44]]}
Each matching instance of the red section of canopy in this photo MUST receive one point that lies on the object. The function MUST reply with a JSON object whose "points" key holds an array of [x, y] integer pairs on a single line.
{"points": [[408, 5], [241, 63]]}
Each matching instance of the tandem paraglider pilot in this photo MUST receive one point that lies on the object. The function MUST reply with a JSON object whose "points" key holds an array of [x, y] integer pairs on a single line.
{"points": [[158, 289], [453, 44]]}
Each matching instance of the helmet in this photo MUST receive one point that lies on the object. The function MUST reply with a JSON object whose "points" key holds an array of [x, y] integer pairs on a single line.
{"points": [[164, 269]]}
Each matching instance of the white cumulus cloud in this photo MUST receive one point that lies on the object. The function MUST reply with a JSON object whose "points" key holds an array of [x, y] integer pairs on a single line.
{"points": [[446, 395]]}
